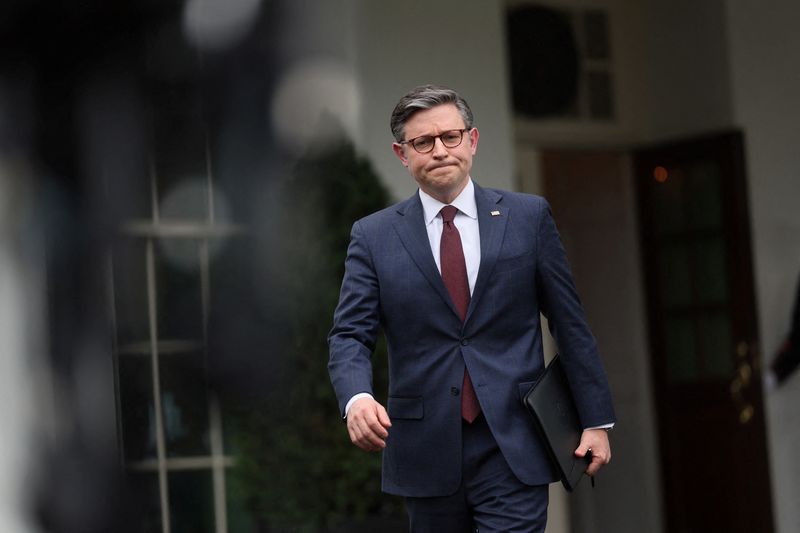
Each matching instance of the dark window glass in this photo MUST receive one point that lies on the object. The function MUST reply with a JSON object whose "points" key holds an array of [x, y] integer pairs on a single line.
{"points": [[680, 350], [144, 494], [239, 519], [179, 295], [674, 275], [191, 501], [669, 207], [711, 275], [137, 407], [715, 340], [703, 196], [184, 400], [130, 291]]}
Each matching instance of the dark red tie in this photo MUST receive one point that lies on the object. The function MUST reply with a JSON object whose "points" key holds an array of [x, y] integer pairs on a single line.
{"points": [[454, 275]]}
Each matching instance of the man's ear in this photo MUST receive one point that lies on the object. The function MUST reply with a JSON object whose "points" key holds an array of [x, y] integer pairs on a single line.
{"points": [[473, 140], [400, 151]]}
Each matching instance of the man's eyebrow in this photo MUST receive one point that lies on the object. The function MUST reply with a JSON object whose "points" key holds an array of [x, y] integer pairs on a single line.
{"points": [[441, 132]]}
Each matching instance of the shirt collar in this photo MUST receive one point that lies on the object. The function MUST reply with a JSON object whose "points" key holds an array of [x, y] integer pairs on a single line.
{"points": [[464, 202]]}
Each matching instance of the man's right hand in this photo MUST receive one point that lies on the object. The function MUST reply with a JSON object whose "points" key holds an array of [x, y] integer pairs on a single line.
{"points": [[368, 424]]}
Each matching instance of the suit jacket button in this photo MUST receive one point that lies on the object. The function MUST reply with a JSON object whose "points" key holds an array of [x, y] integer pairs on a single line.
{"points": [[454, 391], [464, 342]]}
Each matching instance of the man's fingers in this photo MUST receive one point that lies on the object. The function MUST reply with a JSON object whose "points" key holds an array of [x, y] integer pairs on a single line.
{"points": [[376, 427], [367, 423], [383, 417], [595, 441], [364, 438], [371, 424], [373, 431], [600, 458], [598, 461], [582, 450]]}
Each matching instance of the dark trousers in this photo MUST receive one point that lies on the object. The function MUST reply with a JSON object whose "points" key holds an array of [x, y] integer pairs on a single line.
{"points": [[490, 498]]}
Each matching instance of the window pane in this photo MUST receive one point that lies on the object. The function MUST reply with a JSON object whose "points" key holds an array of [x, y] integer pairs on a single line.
{"points": [[229, 427], [674, 281], [137, 407], [185, 404], [703, 199], [143, 493], [180, 310], [191, 501], [711, 275], [130, 290], [680, 350], [239, 519], [668, 203], [715, 339]]}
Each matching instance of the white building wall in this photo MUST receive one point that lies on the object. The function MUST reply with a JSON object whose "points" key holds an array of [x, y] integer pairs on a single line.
{"points": [[765, 53], [687, 68], [457, 43]]}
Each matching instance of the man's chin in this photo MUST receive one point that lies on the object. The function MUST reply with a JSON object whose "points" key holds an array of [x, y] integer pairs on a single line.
{"points": [[443, 188]]}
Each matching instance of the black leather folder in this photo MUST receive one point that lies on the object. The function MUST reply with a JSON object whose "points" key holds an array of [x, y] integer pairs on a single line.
{"points": [[553, 409]]}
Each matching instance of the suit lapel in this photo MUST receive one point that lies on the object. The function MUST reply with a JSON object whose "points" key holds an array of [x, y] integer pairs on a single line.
{"points": [[410, 227], [492, 219]]}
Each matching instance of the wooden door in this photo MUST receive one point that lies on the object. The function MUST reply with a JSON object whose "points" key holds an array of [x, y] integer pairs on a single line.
{"points": [[694, 229]]}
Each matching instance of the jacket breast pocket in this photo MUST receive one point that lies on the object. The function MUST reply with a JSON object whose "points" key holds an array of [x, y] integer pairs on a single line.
{"points": [[510, 264], [406, 408]]}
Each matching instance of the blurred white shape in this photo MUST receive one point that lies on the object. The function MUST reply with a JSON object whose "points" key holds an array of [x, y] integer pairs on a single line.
{"points": [[218, 24], [307, 92], [193, 212], [20, 330]]}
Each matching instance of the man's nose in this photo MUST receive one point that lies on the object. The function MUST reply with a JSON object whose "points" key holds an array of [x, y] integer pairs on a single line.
{"points": [[439, 149]]}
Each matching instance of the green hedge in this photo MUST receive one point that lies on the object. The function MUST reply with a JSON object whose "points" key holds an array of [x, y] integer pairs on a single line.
{"points": [[296, 469]]}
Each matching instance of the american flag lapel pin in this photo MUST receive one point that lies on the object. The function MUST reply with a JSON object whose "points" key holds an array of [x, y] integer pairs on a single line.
{"points": [[495, 213]]}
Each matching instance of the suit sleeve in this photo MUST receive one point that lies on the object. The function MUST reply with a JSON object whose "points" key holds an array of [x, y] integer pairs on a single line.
{"points": [[561, 306], [356, 323]]}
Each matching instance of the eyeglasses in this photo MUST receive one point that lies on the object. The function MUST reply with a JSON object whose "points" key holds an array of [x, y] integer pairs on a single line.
{"points": [[425, 143]]}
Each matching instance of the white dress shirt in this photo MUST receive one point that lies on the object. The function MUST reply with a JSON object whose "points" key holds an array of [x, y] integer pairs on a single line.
{"points": [[466, 222]]}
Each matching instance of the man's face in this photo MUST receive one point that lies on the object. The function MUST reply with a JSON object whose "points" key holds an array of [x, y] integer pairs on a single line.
{"points": [[442, 172]]}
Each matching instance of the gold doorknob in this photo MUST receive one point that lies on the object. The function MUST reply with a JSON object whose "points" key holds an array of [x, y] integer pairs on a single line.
{"points": [[741, 380], [742, 349], [745, 414]]}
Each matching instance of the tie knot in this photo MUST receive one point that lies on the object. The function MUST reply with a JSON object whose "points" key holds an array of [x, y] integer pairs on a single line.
{"points": [[448, 213]]}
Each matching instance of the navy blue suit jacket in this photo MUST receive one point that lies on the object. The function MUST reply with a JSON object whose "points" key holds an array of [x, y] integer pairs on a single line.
{"points": [[391, 281]]}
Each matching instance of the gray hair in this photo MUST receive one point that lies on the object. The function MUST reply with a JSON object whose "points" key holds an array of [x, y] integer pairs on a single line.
{"points": [[427, 97]]}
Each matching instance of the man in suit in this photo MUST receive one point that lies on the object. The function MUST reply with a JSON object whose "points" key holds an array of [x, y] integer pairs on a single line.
{"points": [[457, 276]]}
